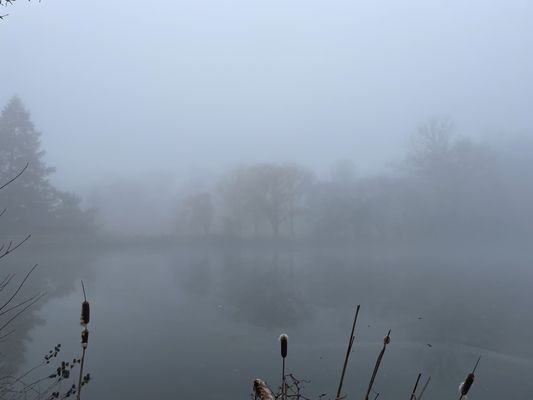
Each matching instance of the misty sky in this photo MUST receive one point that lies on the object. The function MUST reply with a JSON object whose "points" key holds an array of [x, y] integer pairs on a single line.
{"points": [[130, 88]]}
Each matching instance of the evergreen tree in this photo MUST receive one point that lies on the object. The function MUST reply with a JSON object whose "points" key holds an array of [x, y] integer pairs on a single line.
{"points": [[32, 203]]}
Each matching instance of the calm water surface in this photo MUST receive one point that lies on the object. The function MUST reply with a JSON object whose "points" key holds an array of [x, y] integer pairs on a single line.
{"points": [[177, 323]]}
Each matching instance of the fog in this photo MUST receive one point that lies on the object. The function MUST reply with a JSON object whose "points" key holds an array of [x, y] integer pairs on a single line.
{"points": [[220, 172], [174, 85]]}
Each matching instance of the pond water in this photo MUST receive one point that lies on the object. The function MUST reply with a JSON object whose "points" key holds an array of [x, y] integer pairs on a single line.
{"points": [[182, 323]]}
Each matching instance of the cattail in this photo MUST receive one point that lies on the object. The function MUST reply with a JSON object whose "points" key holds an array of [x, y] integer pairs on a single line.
{"points": [[464, 387], [262, 390], [85, 313], [284, 339], [85, 309], [84, 338]]}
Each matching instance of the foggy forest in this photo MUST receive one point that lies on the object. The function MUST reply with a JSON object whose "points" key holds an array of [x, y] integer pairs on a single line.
{"points": [[299, 200]]}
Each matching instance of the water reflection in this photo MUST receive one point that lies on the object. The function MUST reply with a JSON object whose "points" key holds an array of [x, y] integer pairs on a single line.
{"points": [[264, 290], [260, 289], [190, 318]]}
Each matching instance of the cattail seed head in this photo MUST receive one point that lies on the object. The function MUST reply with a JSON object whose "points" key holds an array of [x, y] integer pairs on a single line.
{"points": [[465, 386], [284, 339], [262, 391], [84, 338], [85, 313]]}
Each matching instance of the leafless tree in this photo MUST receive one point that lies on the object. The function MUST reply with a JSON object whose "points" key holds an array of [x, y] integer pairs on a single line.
{"points": [[431, 146], [267, 191]]}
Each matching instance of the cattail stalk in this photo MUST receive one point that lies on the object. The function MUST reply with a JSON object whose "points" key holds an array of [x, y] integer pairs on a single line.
{"points": [[424, 389], [284, 340], [78, 395], [386, 341], [85, 317], [348, 352], [283, 382], [413, 393]]}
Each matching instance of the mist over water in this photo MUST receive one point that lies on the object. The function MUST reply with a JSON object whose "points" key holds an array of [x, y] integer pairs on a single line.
{"points": [[180, 320], [219, 173]]}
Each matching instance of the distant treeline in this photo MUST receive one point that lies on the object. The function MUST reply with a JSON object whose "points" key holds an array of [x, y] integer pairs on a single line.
{"points": [[447, 188]]}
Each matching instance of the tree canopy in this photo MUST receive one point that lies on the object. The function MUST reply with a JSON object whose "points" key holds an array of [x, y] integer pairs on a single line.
{"points": [[32, 203]]}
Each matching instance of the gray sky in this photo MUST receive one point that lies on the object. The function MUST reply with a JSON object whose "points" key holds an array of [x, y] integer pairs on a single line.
{"points": [[128, 88]]}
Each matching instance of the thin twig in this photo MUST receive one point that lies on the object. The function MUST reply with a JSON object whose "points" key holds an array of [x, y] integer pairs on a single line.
{"points": [[19, 287], [23, 169], [5, 335], [6, 281], [21, 311], [20, 304], [12, 249]]}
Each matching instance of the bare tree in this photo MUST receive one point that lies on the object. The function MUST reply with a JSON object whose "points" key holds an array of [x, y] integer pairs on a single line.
{"points": [[431, 147], [267, 191]]}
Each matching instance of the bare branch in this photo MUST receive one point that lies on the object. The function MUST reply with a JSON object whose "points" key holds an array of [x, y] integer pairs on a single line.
{"points": [[6, 281], [21, 311], [23, 169], [5, 335], [12, 249], [20, 304], [19, 287]]}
